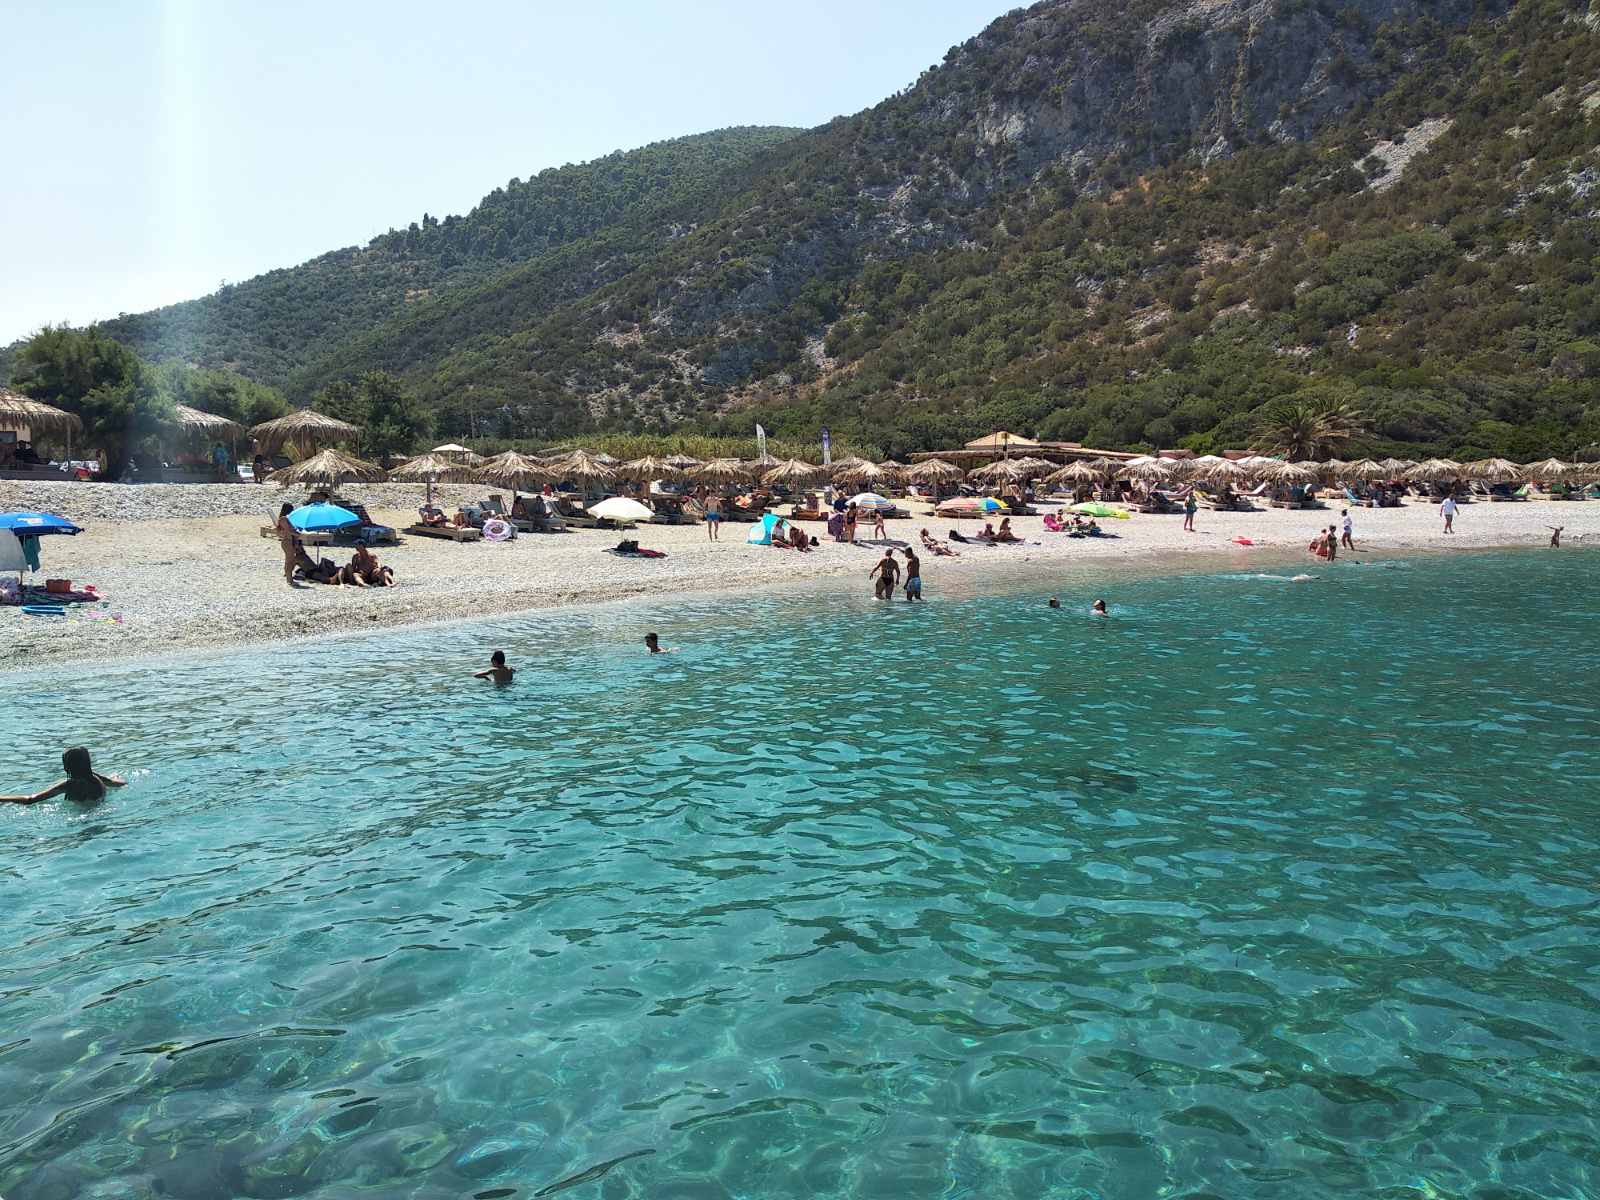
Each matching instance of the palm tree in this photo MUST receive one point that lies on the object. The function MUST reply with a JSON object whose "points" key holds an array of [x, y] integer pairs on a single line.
{"points": [[1302, 430]]}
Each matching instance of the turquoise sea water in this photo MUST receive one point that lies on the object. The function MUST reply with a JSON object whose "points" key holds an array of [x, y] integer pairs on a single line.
{"points": [[1257, 889]]}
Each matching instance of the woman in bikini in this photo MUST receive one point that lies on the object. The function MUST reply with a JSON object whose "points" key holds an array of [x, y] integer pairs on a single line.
{"points": [[288, 541], [83, 784]]}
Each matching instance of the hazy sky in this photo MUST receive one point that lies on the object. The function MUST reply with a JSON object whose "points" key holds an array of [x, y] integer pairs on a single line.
{"points": [[154, 148]]}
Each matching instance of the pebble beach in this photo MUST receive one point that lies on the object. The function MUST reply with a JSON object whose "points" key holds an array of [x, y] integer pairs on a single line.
{"points": [[183, 566]]}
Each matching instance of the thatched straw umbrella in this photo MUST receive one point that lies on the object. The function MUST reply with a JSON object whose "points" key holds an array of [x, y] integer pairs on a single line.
{"points": [[763, 462], [1033, 468], [1002, 470], [1397, 466], [1073, 474], [303, 430], [721, 470], [1290, 473], [42, 420], [430, 469], [583, 467], [1434, 470], [1364, 469], [794, 472], [1493, 470], [934, 471], [845, 468], [1223, 470], [329, 469], [512, 470], [195, 420], [1145, 470], [860, 471], [683, 462], [1549, 469], [648, 469]]}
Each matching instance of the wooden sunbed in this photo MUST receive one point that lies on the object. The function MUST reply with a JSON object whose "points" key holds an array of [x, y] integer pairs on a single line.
{"points": [[451, 533]]}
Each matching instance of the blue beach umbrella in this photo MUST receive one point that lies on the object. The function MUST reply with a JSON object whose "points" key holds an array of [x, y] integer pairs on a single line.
{"points": [[320, 518], [26, 527], [36, 524]]}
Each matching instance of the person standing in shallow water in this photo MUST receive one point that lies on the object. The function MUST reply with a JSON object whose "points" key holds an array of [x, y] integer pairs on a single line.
{"points": [[83, 784], [713, 516], [888, 573], [913, 576]]}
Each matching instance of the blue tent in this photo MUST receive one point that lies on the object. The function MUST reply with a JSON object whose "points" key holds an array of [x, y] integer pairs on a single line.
{"points": [[761, 532]]}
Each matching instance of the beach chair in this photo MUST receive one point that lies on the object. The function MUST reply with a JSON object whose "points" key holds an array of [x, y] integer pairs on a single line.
{"points": [[449, 533]]}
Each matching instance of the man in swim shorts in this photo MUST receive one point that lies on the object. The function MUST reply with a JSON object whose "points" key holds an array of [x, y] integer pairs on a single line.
{"points": [[913, 576]]}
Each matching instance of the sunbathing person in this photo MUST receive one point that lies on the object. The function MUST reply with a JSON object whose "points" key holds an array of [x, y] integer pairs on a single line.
{"points": [[83, 784], [323, 570], [799, 538], [935, 546], [433, 516], [1005, 534], [957, 536], [988, 533], [365, 565]]}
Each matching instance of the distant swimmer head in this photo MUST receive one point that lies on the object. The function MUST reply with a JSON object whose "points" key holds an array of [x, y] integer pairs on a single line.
{"points": [[75, 762], [498, 658], [1054, 602], [1098, 608], [653, 642]]}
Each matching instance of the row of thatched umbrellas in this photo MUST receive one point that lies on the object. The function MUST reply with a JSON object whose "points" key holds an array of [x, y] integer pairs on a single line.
{"points": [[306, 429]]}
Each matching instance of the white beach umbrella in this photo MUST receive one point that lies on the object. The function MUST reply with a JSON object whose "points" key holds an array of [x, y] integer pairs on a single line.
{"points": [[620, 508]]}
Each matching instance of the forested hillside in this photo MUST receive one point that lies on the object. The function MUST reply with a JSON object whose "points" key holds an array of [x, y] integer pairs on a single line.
{"points": [[1129, 225], [269, 326]]}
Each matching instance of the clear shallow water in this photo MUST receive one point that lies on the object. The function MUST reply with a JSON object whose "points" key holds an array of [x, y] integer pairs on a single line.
{"points": [[1255, 890]]}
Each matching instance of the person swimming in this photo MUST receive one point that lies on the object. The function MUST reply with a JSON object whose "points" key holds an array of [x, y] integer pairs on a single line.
{"points": [[83, 784], [498, 671], [652, 642], [1098, 608], [1053, 602]]}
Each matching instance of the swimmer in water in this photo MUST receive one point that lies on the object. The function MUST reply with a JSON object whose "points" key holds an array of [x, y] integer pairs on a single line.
{"points": [[652, 642], [83, 784], [1098, 608], [498, 671], [1054, 602], [1301, 578]]}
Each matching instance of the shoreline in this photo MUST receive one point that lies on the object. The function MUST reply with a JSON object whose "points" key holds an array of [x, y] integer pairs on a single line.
{"points": [[200, 585]]}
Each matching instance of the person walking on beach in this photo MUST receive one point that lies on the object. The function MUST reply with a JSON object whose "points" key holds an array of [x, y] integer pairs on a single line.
{"points": [[888, 573], [288, 541], [1447, 510], [879, 532], [713, 516], [1190, 504], [83, 784], [913, 576], [1346, 528], [850, 518], [498, 671], [1555, 535]]}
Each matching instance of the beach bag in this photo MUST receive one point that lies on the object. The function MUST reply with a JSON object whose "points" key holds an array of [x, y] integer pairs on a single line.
{"points": [[58, 586]]}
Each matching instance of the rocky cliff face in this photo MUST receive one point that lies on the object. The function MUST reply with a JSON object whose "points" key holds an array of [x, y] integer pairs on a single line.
{"points": [[1063, 89]]}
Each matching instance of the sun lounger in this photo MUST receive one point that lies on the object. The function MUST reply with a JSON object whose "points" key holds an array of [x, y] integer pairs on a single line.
{"points": [[451, 533]]}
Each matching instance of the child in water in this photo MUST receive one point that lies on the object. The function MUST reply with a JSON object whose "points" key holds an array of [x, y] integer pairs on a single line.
{"points": [[83, 784], [498, 671]]}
